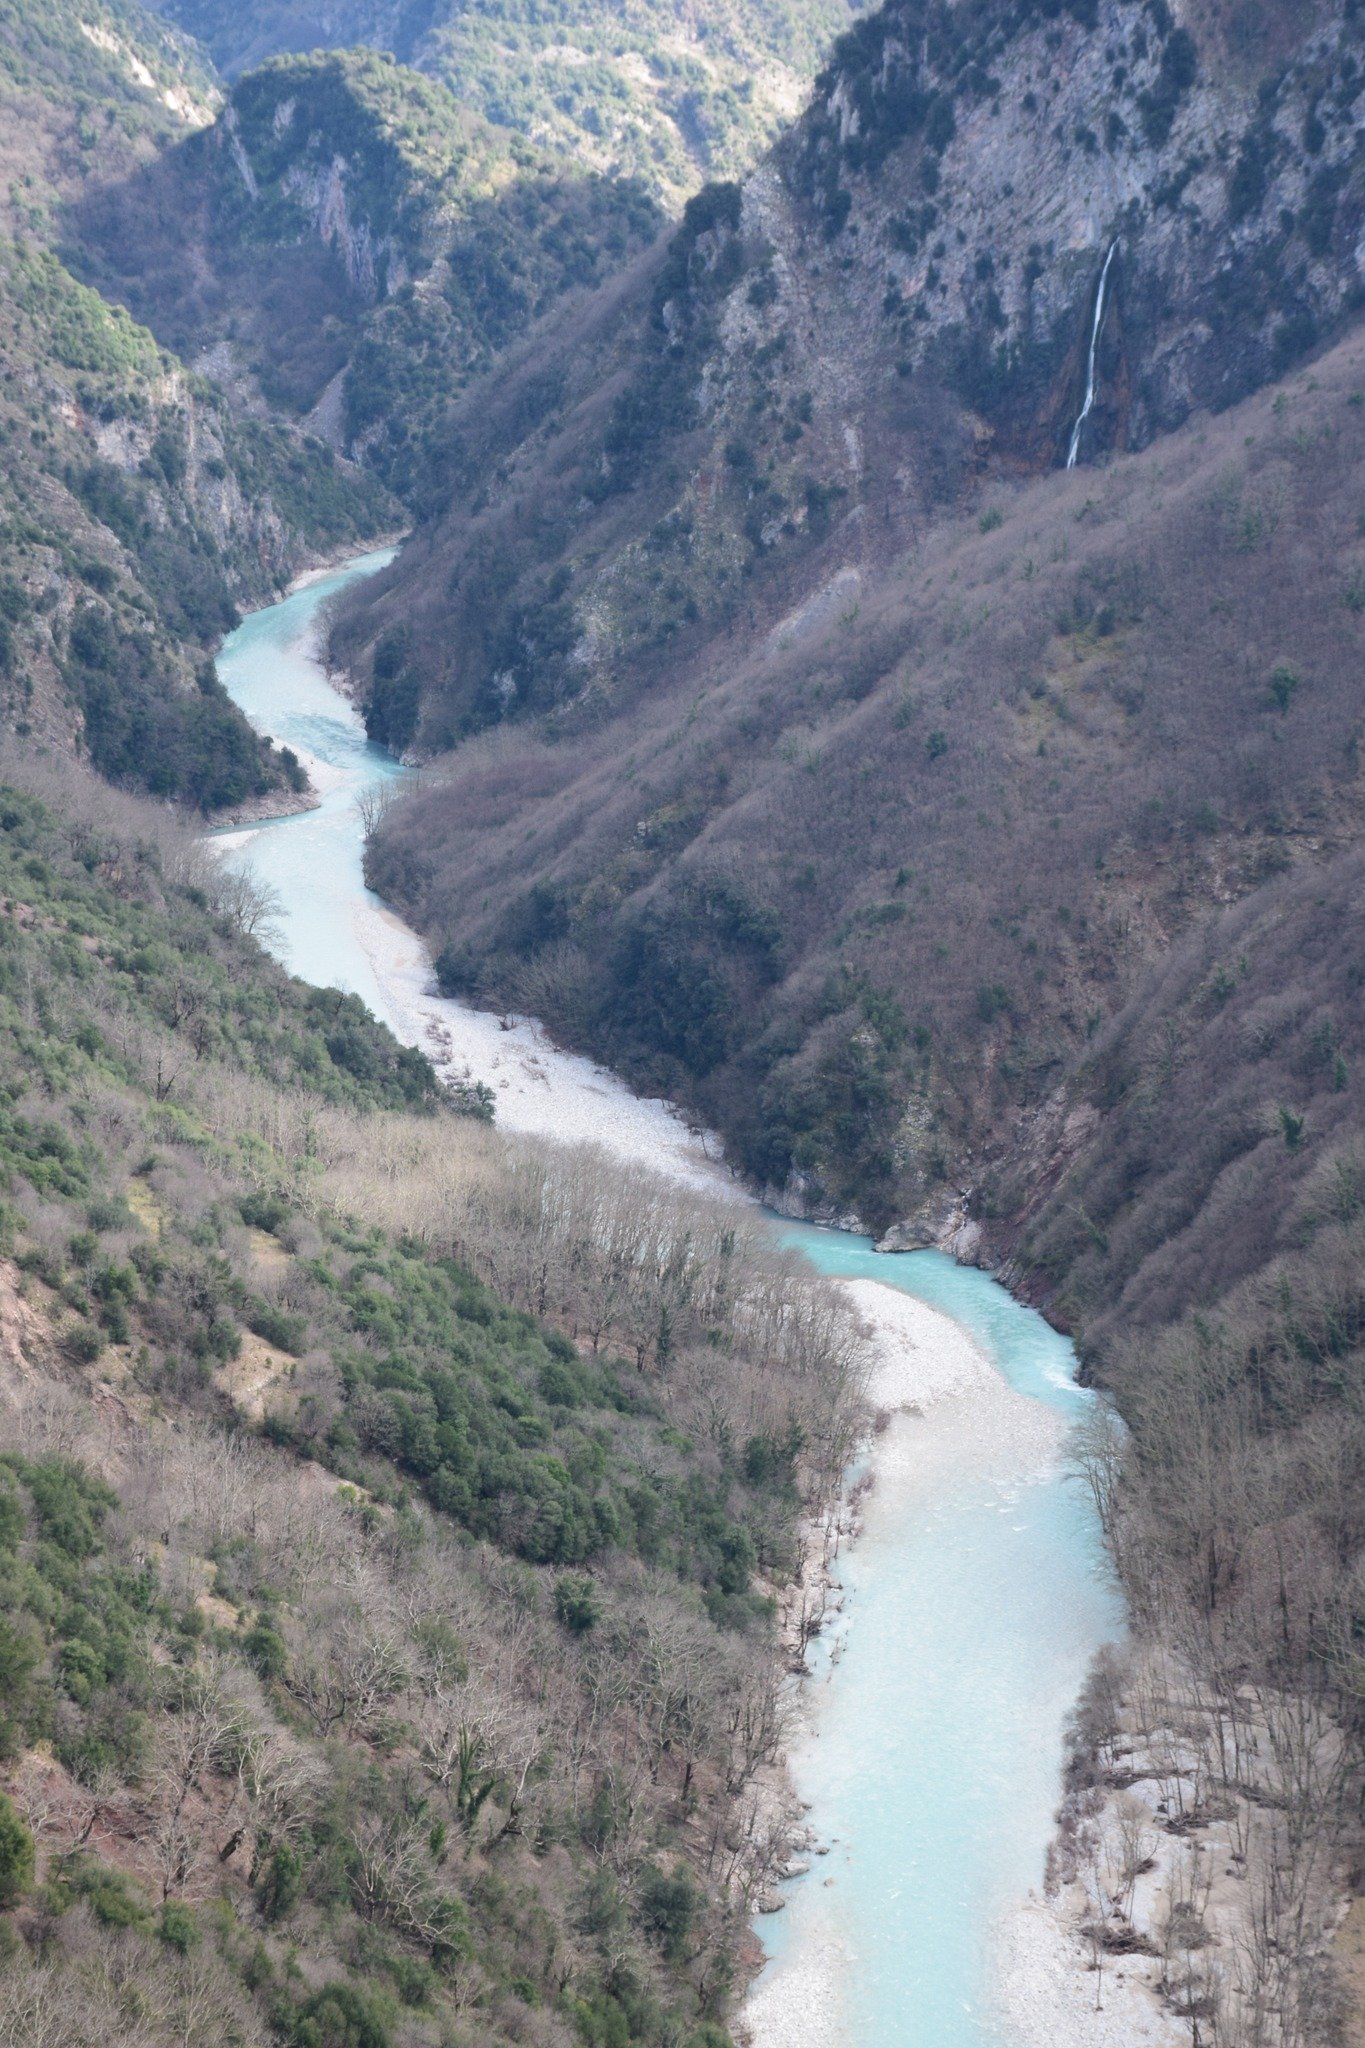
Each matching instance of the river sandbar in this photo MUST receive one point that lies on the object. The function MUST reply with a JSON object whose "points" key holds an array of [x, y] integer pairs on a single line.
{"points": [[539, 1090]]}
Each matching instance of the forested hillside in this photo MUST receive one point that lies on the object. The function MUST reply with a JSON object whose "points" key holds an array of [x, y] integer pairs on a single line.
{"points": [[359, 245], [888, 655], [387, 1657], [667, 95], [138, 508], [866, 687]]}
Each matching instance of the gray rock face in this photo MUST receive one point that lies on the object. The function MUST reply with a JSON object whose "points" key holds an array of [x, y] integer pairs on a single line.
{"points": [[804, 1201], [977, 164], [903, 295], [935, 1226]]}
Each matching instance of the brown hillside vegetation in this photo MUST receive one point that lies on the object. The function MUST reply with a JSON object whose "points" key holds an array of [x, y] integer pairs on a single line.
{"points": [[871, 889], [847, 817], [389, 1515], [1023, 873]]}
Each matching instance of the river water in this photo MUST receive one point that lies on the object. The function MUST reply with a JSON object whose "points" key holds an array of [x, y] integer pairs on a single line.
{"points": [[977, 1593]]}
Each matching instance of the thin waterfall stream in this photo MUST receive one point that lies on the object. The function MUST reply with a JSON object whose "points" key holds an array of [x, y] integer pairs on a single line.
{"points": [[1091, 381], [928, 1740]]}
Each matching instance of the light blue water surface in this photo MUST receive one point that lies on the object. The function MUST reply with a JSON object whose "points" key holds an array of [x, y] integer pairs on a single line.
{"points": [[936, 1769], [972, 1619], [312, 860]]}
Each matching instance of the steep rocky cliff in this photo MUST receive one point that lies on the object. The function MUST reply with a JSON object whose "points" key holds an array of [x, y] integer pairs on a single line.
{"points": [[898, 303], [981, 162], [137, 508], [347, 241], [137, 513]]}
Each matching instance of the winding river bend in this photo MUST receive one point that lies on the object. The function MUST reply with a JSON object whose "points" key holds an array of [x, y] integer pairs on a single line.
{"points": [[930, 1738]]}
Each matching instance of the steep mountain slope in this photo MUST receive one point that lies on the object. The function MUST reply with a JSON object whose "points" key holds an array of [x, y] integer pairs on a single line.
{"points": [[799, 363], [979, 841], [136, 513], [730, 548], [868, 889], [348, 238], [665, 94], [379, 1666], [88, 92], [138, 509], [123, 525]]}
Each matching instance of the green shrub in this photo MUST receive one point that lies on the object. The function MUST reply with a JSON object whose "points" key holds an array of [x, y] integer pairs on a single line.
{"points": [[265, 1648], [285, 1332], [178, 1927], [263, 1209], [279, 1882], [112, 1898], [668, 1907], [84, 1344], [993, 1001], [1177, 72], [1284, 686], [576, 1603], [339, 2016], [395, 692], [16, 1854], [1293, 1126]]}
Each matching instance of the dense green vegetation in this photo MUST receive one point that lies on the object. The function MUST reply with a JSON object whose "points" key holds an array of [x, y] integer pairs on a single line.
{"points": [[133, 512], [509, 1432], [472, 1716], [100, 941], [638, 90], [69, 1623]]}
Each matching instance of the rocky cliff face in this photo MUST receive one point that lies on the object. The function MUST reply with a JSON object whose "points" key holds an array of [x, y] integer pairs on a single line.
{"points": [[969, 169], [138, 513], [900, 302], [358, 245], [137, 507]]}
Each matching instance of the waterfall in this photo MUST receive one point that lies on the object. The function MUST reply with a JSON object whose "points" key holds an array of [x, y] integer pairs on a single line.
{"points": [[1083, 415]]}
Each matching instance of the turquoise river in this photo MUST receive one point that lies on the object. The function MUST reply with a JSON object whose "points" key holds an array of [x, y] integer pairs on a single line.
{"points": [[931, 1736]]}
